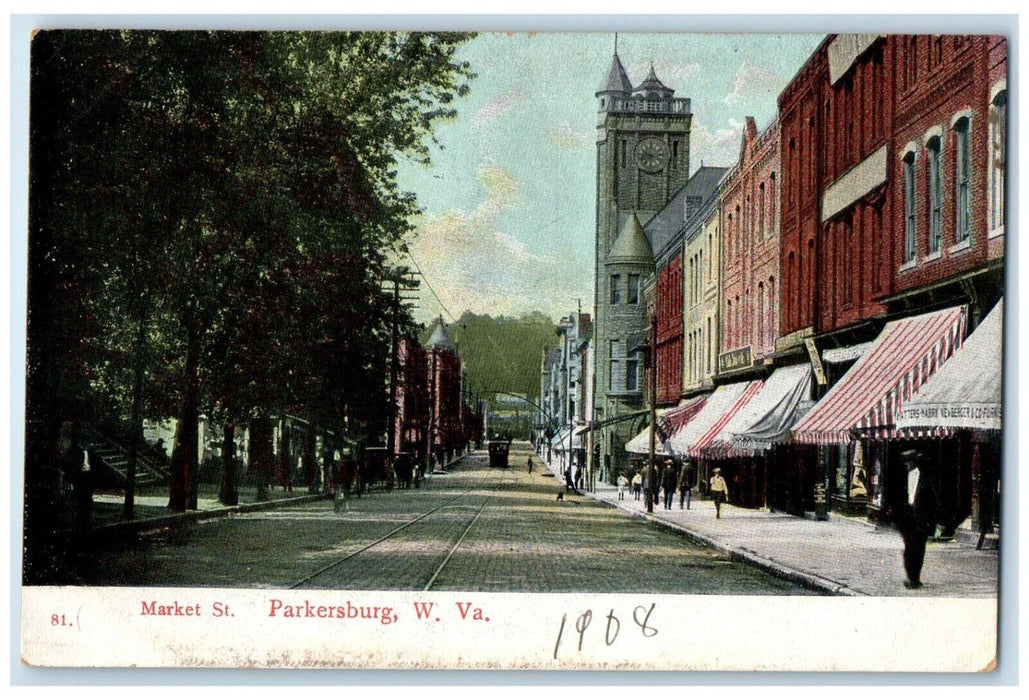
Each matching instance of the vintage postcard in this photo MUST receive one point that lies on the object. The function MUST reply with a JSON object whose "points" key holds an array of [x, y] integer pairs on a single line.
{"points": [[514, 350]]}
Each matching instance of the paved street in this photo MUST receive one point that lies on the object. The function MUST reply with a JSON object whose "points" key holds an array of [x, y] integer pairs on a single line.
{"points": [[472, 529]]}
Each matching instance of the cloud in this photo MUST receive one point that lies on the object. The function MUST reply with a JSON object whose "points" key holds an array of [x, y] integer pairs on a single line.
{"points": [[472, 263], [718, 147], [754, 83], [506, 102], [565, 136]]}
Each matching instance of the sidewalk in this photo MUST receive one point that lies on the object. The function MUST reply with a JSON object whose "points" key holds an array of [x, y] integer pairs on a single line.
{"points": [[842, 556], [152, 513]]}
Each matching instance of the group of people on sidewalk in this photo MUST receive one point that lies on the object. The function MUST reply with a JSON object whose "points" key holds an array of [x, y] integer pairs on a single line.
{"points": [[668, 478]]}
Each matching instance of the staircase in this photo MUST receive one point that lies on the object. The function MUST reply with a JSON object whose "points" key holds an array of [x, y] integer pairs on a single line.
{"points": [[116, 461]]}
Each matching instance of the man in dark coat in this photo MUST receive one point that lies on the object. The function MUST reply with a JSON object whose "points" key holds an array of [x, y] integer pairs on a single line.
{"points": [[669, 480], [918, 517]]}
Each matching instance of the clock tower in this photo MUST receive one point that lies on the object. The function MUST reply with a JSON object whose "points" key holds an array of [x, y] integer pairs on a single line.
{"points": [[643, 147]]}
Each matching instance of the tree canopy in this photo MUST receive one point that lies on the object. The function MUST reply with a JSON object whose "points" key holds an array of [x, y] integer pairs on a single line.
{"points": [[210, 217]]}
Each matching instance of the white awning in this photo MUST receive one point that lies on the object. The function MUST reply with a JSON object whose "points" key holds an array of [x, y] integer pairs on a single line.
{"points": [[640, 444], [718, 410], [965, 392], [767, 419]]}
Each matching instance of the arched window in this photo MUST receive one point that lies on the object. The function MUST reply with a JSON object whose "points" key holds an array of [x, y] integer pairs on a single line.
{"points": [[759, 339], [962, 180], [998, 154], [934, 158], [910, 209]]}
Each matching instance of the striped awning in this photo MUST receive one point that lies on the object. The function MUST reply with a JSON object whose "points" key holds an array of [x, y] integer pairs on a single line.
{"points": [[869, 397], [766, 420], [669, 421], [640, 445], [675, 419], [966, 393], [718, 410]]}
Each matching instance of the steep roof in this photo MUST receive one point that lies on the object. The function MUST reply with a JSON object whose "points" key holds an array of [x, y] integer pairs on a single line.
{"points": [[662, 228], [632, 245], [652, 84], [617, 80], [440, 338]]}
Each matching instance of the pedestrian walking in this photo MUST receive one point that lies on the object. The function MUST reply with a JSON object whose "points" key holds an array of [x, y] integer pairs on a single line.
{"points": [[918, 517], [719, 491], [669, 480], [569, 485], [578, 478], [686, 483], [530, 465], [637, 485], [79, 465], [622, 483]]}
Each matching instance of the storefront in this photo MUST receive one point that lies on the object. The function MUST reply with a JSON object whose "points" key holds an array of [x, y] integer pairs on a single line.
{"points": [[698, 434], [763, 422], [964, 401], [853, 426]]}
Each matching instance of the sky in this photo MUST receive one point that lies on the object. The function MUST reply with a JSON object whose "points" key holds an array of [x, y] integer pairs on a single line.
{"points": [[508, 203]]}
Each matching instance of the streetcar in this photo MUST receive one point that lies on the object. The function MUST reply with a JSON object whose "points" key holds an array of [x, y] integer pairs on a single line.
{"points": [[499, 448]]}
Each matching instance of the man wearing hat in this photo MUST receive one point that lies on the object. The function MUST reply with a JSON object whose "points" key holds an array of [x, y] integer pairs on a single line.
{"points": [[917, 519], [719, 491]]}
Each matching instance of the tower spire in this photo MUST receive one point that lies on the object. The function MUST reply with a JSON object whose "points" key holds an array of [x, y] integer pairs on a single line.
{"points": [[616, 43]]}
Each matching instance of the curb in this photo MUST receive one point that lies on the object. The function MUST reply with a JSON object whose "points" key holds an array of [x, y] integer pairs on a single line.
{"points": [[130, 528], [741, 555]]}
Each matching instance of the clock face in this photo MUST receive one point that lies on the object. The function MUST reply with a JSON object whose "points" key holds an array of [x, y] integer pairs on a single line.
{"points": [[651, 154]]}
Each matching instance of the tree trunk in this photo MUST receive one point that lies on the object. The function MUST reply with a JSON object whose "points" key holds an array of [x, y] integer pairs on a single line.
{"points": [[310, 463], [136, 419], [261, 456], [228, 495], [284, 466], [184, 458]]}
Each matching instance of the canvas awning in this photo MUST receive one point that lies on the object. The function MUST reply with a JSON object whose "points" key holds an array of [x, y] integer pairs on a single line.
{"points": [[871, 394], [718, 410], [640, 445], [669, 421], [766, 420], [966, 392]]}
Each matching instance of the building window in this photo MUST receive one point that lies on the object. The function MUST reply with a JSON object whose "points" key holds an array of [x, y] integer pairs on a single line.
{"points": [[633, 292], [759, 338], [632, 374], [710, 349], [773, 202], [616, 289], [910, 211], [911, 63], [771, 310], [962, 194], [761, 211], [998, 152], [625, 147], [617, 356], [935, 161]]}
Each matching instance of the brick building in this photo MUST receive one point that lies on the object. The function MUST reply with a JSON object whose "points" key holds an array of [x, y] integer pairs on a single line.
{"points": [[750, 266], [892, 210]]}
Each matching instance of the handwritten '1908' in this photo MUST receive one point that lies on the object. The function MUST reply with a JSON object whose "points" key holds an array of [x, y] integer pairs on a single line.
{"points": [[614, 625]]}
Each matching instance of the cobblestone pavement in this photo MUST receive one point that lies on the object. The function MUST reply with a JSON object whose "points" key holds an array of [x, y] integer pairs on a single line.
{"points": [[847, 556], [523, 540]]}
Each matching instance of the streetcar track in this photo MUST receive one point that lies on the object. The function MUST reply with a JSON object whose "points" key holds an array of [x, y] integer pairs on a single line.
{"points": [[409, 523]]}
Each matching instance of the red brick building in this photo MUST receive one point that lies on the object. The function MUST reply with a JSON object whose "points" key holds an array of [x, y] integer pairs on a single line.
{"points": [[669, 306], [412, 399], [750, 266], [893, 154], [947, 170]]}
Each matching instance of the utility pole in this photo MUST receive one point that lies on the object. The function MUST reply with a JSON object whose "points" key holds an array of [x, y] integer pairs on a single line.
{"points": [[652, 400], [402, 280]]}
